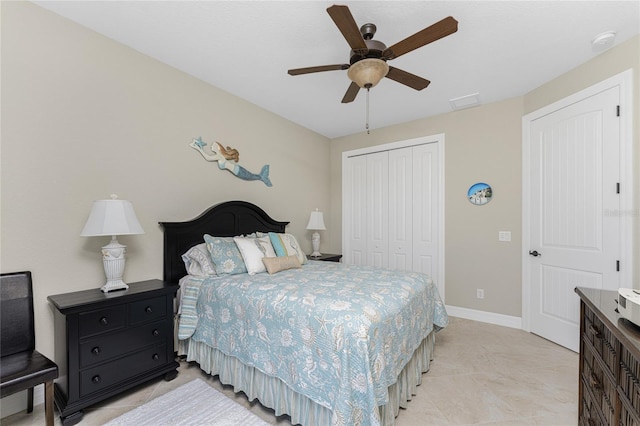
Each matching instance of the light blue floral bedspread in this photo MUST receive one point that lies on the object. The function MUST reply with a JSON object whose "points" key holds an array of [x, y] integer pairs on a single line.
{"points": [[339, 334]]}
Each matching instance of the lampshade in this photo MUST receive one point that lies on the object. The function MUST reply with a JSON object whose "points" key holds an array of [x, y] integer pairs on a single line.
{"points": [[111, 217], [366, 73], [316, 221]]}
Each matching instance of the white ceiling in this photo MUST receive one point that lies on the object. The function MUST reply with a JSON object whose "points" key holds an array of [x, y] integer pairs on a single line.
{"points": [[502, 49]]}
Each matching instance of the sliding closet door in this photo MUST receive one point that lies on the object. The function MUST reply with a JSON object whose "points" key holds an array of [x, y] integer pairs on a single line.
{"points": [[355, 190], [392, 200], [393, 215], [377, 209], [401, 208], [425, 208]]}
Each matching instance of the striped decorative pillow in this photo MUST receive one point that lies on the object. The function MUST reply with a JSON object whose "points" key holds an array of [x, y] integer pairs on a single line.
{"points": [[287, 245]]}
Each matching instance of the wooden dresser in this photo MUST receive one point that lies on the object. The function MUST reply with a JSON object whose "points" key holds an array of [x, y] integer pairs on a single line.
{"points": [[107, 343], [609, 385]]}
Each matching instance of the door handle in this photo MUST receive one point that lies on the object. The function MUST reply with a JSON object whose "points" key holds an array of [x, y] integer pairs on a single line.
{"points": [[535, 253]]}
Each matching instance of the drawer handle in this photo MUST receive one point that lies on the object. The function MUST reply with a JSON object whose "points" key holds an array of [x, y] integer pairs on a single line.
{"points": [[148, 309], [595, 383], [156, 332], [96, 379], [104, 321], [155, 357], [96, 350], [595, 331]]}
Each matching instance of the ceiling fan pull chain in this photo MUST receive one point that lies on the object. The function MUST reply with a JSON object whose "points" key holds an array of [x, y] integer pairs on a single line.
{"points": [[367, 124]]}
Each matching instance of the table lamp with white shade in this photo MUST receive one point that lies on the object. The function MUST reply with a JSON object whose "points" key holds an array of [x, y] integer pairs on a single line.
{"points": [[316, 223], [112, 217]]}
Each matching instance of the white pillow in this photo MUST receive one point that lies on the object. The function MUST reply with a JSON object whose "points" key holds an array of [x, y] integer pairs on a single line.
{"points": [[253, 250], [197, 261]]}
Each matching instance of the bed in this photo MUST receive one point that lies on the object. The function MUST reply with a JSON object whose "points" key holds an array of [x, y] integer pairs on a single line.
{"points": [[325, 343]]}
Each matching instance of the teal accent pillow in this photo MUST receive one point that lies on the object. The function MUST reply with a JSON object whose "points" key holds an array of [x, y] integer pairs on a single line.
{"points": [[225, 255], [278, 244], [287, 245]]}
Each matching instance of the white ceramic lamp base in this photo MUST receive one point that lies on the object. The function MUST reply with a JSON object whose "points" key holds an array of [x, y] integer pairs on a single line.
{"points": [[315, 244], [113, 261]]}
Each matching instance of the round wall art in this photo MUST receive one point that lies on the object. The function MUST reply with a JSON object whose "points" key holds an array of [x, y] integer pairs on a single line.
{"points": [[479, 194]]}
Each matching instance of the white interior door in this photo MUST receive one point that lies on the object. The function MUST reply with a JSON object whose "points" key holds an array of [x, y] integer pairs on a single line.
{"points": [[574, 162]]}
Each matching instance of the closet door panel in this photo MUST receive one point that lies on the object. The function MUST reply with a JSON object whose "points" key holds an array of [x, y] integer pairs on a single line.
{"points": [[356, 241], [392, 197], [401, 209], [425, 211], [377, 210]]}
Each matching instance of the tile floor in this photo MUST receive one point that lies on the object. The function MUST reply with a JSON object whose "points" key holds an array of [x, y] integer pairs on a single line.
{"points": [[482, 374]]}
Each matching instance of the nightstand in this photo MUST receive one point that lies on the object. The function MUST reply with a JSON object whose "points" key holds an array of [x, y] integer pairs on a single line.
{"points": [[106, 343], [326, 257]]}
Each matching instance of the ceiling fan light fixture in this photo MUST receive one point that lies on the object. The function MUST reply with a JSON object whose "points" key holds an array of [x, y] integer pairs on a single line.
{"points": [[367, 73]]}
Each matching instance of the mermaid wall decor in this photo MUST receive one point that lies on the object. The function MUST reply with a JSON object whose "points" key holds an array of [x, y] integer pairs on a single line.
{"points": [[228, 158]]}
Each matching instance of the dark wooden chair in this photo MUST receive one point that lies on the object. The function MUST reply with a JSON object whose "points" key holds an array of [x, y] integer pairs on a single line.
{"points": [[21, 366]]}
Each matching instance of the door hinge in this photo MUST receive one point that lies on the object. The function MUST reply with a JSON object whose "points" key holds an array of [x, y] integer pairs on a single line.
{"points": [[617, 187], [618, 111], [617, 266]]}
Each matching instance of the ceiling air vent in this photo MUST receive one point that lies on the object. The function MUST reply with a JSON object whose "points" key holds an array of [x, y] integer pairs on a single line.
{"points": [[466, 101]]}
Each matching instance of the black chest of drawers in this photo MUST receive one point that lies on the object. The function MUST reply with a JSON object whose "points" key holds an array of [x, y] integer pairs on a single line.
{"points": [[326, 257], [107, 343]]}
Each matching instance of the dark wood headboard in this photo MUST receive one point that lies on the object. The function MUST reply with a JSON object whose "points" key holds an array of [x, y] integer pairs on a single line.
{"points": [[227, 219]]}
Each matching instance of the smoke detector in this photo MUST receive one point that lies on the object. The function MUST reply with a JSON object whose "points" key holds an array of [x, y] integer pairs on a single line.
{"points": [[603, 41]]}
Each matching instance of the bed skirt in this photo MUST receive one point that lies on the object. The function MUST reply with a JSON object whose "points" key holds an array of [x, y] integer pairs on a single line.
{"points": [[275, 394]]}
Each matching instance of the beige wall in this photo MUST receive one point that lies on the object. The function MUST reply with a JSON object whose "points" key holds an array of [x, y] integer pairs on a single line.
{"points": [[484, 144], [83, 117]]}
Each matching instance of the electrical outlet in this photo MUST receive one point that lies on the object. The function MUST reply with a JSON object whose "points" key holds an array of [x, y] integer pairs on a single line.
{"points": [[480, 293]]}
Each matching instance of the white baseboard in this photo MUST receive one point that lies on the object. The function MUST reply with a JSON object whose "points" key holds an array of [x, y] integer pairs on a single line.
{"points": [[17, 402], [482, 316]]}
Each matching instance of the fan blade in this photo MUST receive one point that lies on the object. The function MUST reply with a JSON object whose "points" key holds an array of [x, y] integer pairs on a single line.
{"points": [[347, 25], [430, 34], [351, 93], [407, 78], [308, 70]]}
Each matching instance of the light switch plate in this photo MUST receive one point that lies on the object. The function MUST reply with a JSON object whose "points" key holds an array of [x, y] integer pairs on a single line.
{"points": [[504, 236]]}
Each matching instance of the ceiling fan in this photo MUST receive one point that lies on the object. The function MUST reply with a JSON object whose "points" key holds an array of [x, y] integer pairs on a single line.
{"points": [[368, 62]]}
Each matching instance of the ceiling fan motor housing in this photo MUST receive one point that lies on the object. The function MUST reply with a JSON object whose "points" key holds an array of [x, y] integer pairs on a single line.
{"points": [[374, 50]]}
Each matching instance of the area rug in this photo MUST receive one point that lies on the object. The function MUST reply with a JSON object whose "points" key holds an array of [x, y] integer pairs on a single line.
{"points": [[194, 403]]}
